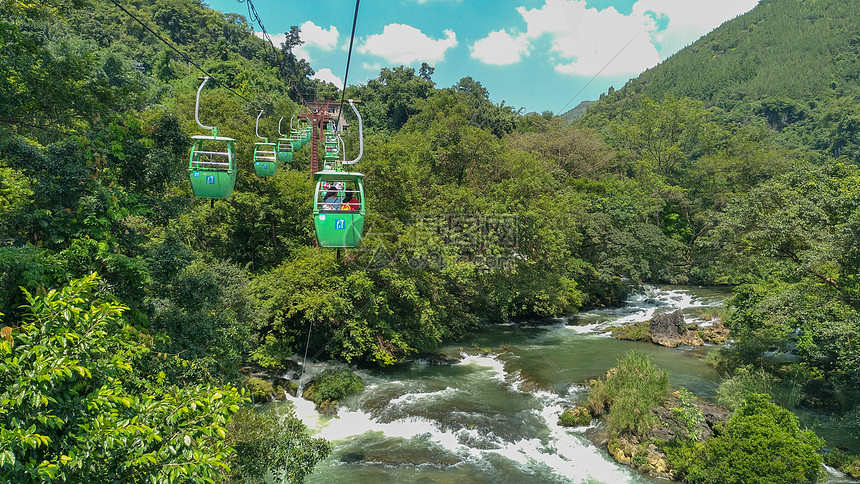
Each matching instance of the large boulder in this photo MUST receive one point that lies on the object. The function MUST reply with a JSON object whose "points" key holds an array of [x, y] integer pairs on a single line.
{"points": [[668, 329]]}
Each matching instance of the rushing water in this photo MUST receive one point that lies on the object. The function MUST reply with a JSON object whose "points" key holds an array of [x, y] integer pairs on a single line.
{"points": [[493, 418]]}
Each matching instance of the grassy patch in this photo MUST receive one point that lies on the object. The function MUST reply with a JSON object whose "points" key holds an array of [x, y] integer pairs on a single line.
{"points": [[640, 331], [629, 391]]}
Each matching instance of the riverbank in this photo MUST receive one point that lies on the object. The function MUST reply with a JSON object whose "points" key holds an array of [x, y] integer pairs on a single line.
{"points": [[487, 408]]}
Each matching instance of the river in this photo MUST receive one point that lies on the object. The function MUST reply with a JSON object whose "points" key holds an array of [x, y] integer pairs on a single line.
{"points": [[492, 417]]}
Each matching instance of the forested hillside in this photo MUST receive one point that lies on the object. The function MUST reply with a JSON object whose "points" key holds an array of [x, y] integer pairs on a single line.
{"points": [[477, 213], [792, 64]]}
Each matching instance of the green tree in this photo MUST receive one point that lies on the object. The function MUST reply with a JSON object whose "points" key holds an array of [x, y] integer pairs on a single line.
{"points": [[761, 442], [73, 407], [272, 442]]}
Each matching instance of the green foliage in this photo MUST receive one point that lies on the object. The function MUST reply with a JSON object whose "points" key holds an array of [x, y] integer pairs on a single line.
{"points": [[272, 442], [15, 201], [74, 408], [333, 384], [789, 65], [795, 238], [712, 167], [844, 461], [629, 390], [640, 331], [761, 442], [733, 391], [575, 417], [206, 313], [688, 414]]}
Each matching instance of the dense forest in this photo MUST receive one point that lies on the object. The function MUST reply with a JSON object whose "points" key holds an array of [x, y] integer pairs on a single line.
{"points": [[129, 307]]}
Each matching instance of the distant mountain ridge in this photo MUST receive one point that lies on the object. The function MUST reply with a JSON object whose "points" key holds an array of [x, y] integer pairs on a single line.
{"points": [[578, 111]]}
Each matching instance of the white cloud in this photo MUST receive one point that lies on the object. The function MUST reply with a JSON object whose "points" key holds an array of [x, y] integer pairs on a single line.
{"points": [[499, 48], [586, 40], [690, 19], [313, 36], [404, 44], [325, 74], [583, 40]]}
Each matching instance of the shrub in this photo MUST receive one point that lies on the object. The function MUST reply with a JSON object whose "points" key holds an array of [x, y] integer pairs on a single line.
{"points": [[746, 380], [760, 443], [688, 414], [630, 390], [575, 417], [844, 461], [76, 408], [333, 384], [640, 331], [267, 441]]}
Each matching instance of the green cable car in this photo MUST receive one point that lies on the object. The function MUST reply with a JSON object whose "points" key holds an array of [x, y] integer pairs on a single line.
{"points": [[297, 139], [212, 171], [212, 164], [265, 159], [285, 147], [332, 149], [339, 208], [339, 202]]}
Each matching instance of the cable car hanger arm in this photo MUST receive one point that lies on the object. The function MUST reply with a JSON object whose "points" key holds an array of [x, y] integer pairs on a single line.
{"points": [[197, 107], [257, 127], [360, 135]]}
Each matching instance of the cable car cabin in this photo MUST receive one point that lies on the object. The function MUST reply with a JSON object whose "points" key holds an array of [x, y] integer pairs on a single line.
{"points": [[297, 138], [212, 166], [265, 159], [339, 208], [285, 150]]}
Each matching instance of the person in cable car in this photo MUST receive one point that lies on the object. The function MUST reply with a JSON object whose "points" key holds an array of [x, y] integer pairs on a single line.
{"points": [[331, 201], [348, 203]]}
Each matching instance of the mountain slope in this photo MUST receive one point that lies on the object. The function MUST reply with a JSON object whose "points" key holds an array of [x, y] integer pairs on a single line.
{"points": [[793, 63]]}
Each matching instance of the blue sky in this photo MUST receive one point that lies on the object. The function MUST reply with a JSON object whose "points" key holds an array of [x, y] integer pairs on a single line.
{"points": [[535, 54]]}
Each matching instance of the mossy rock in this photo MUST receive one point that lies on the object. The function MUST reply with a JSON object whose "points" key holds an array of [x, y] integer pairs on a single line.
{"points": [[716, 333], [575, 417], [283, 385], [260, 389], [640, 331], [333, 384], [327, 407], [622, 450]]}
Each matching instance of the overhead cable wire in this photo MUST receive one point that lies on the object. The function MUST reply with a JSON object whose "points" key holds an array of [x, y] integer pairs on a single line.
{"points": [[175, 49], [253, 16], [598, 73], [348, 57]]}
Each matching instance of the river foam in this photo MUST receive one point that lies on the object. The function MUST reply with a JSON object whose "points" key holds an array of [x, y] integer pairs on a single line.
{"points": [[640, 306], [469, 437]]}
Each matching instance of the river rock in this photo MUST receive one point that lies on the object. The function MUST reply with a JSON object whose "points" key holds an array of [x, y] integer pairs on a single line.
{"points": [[716, 333], [575, 417], [656, 465], [284, 385], [670, 428], [622, 450], [668, 329]]}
